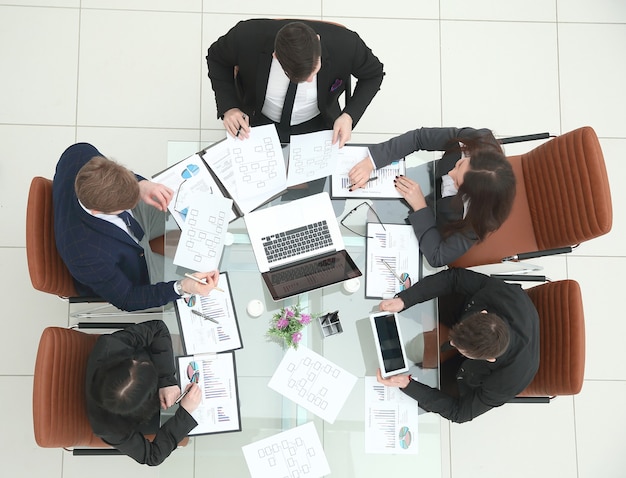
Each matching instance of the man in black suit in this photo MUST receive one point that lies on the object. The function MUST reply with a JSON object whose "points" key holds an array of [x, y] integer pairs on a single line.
{"points": [[252, 66]]}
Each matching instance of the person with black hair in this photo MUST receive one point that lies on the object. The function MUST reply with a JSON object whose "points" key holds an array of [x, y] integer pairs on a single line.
{"points": [[494, 327], [474, 188], [130, 375]]}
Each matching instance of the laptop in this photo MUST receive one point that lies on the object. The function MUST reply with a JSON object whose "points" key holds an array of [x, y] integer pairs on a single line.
{"points": [[298, 246]]}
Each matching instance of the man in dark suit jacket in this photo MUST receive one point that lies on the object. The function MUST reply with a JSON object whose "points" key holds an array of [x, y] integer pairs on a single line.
{"points": [[499, 356], [102, 253], [328, 52]]}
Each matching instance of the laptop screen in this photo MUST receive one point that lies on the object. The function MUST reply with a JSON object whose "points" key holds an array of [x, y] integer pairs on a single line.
{"points": [[310, 274]]}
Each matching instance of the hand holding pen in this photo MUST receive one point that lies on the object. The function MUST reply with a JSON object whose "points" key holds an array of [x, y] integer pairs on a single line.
{"points": [[237, 123]]}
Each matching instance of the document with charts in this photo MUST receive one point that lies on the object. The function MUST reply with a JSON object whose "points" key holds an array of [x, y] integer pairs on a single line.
{"points": [[216, 374], [311, 156], [313, 382], [202, 237], [295, 453], [391, 420], [382, 187], [200, 335], [392, 259]]}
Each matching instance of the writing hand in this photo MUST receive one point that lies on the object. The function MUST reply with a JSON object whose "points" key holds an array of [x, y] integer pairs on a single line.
{"points": [[360, 173], [193, 398], [237, 123]]}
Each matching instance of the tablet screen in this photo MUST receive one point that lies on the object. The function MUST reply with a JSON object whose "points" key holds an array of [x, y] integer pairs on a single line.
{"points": [[390, 343]]}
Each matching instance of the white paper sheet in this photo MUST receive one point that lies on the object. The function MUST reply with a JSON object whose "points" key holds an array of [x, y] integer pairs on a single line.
{"points": [[313, 382], [293, 453], [311, 156], [258, 167], [382, 187], [203, 336], [219, 410], [397, 246], [391, 420], [202, 238]]}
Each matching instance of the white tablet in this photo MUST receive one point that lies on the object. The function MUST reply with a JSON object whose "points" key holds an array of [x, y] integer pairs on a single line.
{"points": [[389, 346]]}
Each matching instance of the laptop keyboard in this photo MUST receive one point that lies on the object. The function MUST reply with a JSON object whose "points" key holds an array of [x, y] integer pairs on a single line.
{"points": [[304, 270], [297, 241]]}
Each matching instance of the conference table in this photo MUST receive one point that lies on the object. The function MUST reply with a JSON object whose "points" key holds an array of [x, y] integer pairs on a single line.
{"points": [[264, 412]]}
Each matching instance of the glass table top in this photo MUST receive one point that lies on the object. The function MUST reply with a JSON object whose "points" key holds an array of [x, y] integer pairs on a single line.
{"points": [[265, 412]]}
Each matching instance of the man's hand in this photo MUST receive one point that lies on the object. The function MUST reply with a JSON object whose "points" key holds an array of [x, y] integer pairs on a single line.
{"points": [[400, 381], [342, 129], [237, 123], [360, 173], [411, 192], [168, 395], [391, 305], [190, 286], [155, 194]]}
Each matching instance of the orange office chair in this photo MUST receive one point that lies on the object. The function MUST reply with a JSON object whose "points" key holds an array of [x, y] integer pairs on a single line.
{"points": [[48, 272], [59, 412], [563, 198]]}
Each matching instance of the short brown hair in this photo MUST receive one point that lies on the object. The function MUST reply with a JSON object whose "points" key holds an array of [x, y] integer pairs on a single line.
{"points": [[297, 49], [106, 186], [481, 336]]}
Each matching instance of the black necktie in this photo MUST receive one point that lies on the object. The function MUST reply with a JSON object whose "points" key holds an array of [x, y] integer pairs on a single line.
{"points": [[285, 117], [132, 224]]}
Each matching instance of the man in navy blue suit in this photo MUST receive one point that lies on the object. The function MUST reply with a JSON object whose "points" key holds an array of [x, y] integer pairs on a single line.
{"points": [[104, 217]]}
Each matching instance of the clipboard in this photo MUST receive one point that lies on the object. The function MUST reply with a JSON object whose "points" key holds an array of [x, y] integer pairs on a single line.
{"points": [[200, 335], [219, 411], [392, 259]]}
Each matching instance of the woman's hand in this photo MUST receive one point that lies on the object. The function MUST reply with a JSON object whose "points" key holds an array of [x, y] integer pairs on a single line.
{"points": [[360, 173], [411, 192], [193, 398], [237, 123], [168, 395], [400, 381], [190, 286], [155, 194], [391, 305]]}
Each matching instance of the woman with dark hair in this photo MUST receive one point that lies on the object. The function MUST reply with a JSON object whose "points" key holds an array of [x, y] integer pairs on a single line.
{"points": [[474, 188], [130, 374]]}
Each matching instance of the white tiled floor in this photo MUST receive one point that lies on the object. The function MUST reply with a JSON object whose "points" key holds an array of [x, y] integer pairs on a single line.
{"points": [[130, 76]]}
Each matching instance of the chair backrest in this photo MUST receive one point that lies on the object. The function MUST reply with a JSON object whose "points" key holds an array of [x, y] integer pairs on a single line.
{"points": [[59, 413], [563, 198], [47, 271], [562, 339]]}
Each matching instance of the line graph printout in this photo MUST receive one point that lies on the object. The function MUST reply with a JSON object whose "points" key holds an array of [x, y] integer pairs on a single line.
{"points": [[382, 187], [392, 259], [313, 382], [204, 336], [391, 420], [202, 237], [258, 167], [311, 156], [295, 453], [218, 411]]}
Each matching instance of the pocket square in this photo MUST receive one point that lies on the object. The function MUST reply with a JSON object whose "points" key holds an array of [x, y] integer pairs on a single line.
{"points": [[335, 86]]}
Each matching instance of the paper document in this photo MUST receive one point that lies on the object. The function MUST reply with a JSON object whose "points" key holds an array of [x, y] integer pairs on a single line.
{"points": [[257, 167], [201, 335], [313, 382], [391, 420], [219, 410], [311, 156], [381, 187], [293, 453], [392, 259], [202, 238]]}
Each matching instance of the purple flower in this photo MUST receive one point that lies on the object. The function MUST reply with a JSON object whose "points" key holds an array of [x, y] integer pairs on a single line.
{"points": [[305, 319], [295, 338], [289, 313], [282, 323]]}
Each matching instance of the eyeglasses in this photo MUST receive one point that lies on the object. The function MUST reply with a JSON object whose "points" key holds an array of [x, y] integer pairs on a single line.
{"points": [[365, 203]]}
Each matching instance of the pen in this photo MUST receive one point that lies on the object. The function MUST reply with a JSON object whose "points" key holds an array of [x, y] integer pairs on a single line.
{"points": [[240, 126], [194, 379], [204, 316], [201, 281], [392, 271], [374, 178]]}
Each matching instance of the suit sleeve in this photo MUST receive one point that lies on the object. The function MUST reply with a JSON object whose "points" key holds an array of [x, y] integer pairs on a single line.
{"points": [[368, 70], [437, 250]]}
